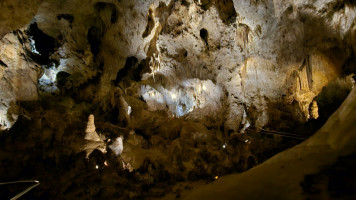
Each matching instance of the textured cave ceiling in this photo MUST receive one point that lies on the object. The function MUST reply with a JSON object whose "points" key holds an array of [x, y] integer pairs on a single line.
{"points": [[151, 99]]}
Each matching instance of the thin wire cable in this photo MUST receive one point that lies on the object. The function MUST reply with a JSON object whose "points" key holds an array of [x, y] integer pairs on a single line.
{"points": [[279, 132], [289, 135], [25, 191]]}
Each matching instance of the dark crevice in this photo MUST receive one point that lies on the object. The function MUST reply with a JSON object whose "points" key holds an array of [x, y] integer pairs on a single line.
{"points": [[204, 35], [132, 71], [336, 181], [108, 7], [226, 11], [336, 6], [94, 37], [130, 63], [205, 4], [62, 78], [68, 17], [349, 65], [97, 31], [44, 43], [185, 3], [3, 64]]}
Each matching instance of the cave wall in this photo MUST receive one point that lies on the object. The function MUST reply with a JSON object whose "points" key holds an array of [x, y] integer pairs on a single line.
{"points": [[172, 84], [19, 76], [199, 57], [15, 14]]}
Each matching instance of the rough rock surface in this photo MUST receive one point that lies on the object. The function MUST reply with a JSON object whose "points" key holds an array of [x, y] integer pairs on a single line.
{"points": [[248, 63], [16, 14], [207, 61], [333, 143], [192, 89], [18, 77]]}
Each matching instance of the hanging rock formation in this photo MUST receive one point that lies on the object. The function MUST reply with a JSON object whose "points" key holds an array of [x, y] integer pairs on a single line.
{"points": [[192, 86]]}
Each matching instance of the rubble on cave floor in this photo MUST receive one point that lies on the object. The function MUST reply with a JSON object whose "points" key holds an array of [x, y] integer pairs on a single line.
{"points": [[147, 166]]}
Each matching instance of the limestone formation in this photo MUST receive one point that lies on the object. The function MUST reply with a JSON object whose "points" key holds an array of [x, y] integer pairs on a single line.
{"points": [[16, 14], [18, 76], [314, 113], [90, 133], [242, 32], [192, 86], [117, 146], [92, 139], [127, 166]]}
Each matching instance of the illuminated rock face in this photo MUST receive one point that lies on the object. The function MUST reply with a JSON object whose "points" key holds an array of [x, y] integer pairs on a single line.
{"points": [[314, 110], [258, 59], [18, 77], [117, 146], [185, 98], [173, 85], [194, 58]]}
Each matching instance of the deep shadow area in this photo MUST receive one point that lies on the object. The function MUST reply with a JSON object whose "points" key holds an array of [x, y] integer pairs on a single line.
{"points": [[55, 129], [226, 11], [336, 181], [132, 71], [94, 37], [44, 44], [204, 35]]}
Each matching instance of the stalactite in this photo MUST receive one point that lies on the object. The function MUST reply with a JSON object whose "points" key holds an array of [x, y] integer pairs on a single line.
{"points": [[309, 73]]}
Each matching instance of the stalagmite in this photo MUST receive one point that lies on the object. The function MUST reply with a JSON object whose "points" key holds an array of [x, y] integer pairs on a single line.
{"points": [[90, 133], [92, 139], [184, 92]]}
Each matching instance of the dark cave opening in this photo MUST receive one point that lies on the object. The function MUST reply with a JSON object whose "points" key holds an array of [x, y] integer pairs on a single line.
{"points": [[68, 17], [94, 38], [44, 44], [130, 63]]}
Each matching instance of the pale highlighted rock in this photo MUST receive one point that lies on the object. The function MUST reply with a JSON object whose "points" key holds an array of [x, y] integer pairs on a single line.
{"points": [[117, 146], [90, 133], [92, 139], [314, 111]]}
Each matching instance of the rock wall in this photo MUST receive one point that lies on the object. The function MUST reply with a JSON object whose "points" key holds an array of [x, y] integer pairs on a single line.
{"points": [[252, 54], [172, 84], [15, 14], [321, 156], [18, 77]]}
